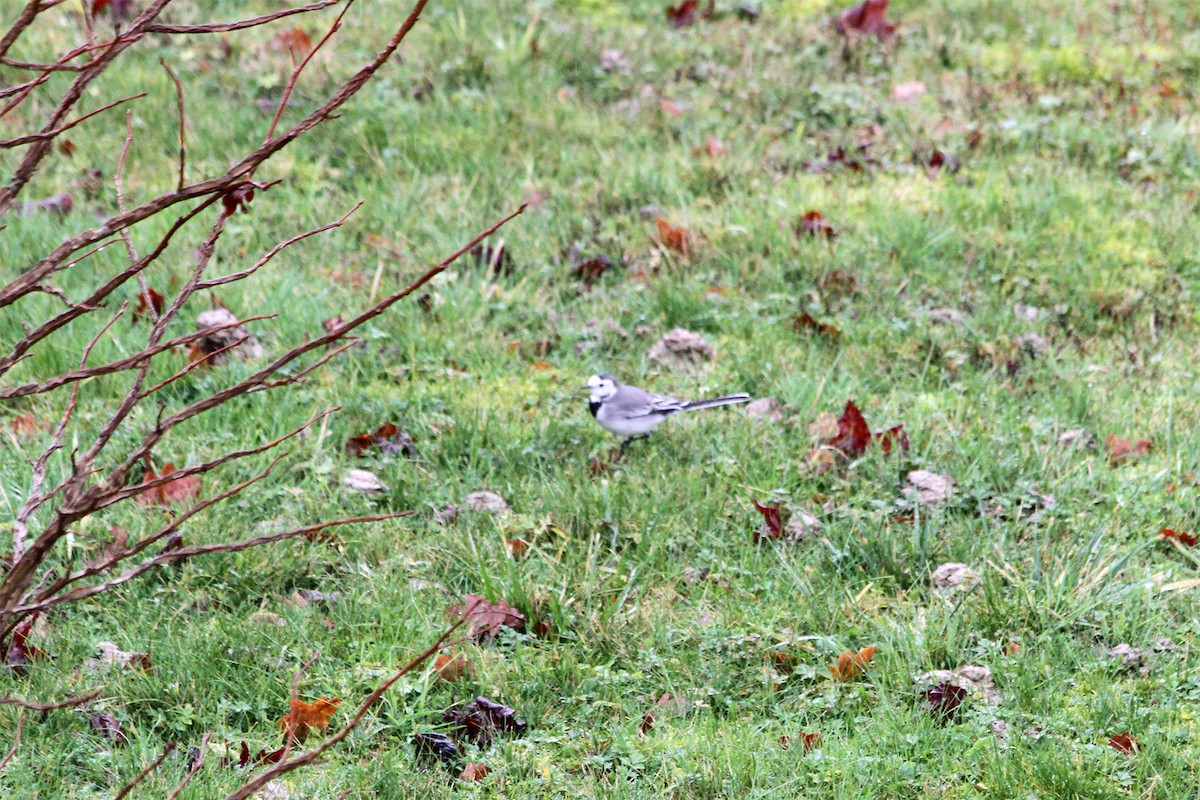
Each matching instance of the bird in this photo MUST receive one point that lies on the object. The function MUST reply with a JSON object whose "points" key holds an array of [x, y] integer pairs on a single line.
{"points": [[632, 412]]}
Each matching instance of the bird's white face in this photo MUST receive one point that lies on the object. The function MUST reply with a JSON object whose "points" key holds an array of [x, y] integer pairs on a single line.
{"points": [[602, 387]]}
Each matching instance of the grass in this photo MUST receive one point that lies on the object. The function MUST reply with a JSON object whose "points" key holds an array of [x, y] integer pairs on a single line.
{"points": [[1078, 200]]}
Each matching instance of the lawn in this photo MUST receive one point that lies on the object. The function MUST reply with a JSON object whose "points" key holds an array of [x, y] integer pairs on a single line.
{"points": [[1006, 263]]}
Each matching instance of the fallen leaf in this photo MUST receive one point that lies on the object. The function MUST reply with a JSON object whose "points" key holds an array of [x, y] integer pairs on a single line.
{"points": [[648, 718], [483, 717], [308, 716], [450, 667], [971, 677], [108, 727], [688, 12], [809, 741], [930, 488], [362, 481], [673, 238], [66, 147], [231, 339], [438, 745], [854, 437], [591, 268], [473, 772], [772, 527], [765, 408], [867, 17], [292, 40], [1123, 743], [498, 260], [177, 491], [1183, 537], [814, 224], [115, 546], [485, 619], [806, 323], [26, 424], [20, 652], [146, 301], [851, 664], [1122, 450], [388, 439], [944, 699], [517, 547], [937, 161]]}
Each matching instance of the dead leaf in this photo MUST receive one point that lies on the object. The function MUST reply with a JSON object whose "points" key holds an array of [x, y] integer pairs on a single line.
{"points": [[20, 652], [26, 425], [484, 619], [765, 408], [806, 323], [438, 745], [851, 664], [66, 147], [308, 716], [672, 238], [109, 728], [517, 547], [591, 268], [713, 146], [177, 491], [648, 719], [1183, 537], [473, 771], [146, 301], [867, 17], [387, 438], [837, 281], [450, 667], [944, 700], [930, 488], [60, 205], [772, 527], [483, 717], [292, 40], [854, 437], [362, 481], [688, 12], [814, 224], [1121, 451], [1123, 743]]}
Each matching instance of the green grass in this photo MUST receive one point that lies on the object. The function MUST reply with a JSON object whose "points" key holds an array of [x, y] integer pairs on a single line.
{"points": [[1078, 200]]}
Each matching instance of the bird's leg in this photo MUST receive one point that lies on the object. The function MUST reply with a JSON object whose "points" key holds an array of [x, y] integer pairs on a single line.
{"points": [[628, 442]]}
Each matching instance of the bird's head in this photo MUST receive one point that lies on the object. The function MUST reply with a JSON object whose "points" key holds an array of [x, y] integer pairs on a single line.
{"points": [[602, 387]]}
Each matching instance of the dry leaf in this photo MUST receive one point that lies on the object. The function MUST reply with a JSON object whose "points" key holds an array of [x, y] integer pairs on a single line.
{"points": [[1123, 743], [1122, 450], [672, 238], [851, 664], [450, 667], [177, 491], [473, 772], [308, 716], [484, 619]]}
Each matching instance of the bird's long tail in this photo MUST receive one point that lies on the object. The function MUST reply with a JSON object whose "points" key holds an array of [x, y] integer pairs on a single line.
{"points": [[713, 402]]}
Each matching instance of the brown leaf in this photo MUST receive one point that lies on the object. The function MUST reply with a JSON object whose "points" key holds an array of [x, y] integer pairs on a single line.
{"points": [[851, 664], [806, 323], [26, 424], [20, 652], [944, 700], [854, 437], [308, 716], [473, 771], [688, 12], [1183, 537], [648, 718], [673, 238], [590, 269], [450, 667], [108, 727], [483, 717], [292, 40], [809, 741], [517, 547], [146, 301], [237, 199], [387, 439], [174, 492], [1121, 450], [866, 17], [1123, 743], [59, 204], [772, 527], [814, 224], [485, 619], [66, 147]]}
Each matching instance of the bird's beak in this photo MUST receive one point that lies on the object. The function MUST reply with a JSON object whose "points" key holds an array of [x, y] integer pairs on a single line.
{"points": [[586, 388]]}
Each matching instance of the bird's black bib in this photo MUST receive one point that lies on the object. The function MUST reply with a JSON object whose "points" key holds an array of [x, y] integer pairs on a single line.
{"points": [[593, 406]]}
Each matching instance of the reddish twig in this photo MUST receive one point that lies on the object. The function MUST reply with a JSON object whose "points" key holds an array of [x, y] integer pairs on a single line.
{"points": [[226, 27], [16, 743], [141, 776], [195, 768], [36, 137], [44, 707]]}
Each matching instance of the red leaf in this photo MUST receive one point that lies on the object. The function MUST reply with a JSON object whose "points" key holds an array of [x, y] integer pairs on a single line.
{"points": [[293, 40], [814, 224], [688, 12], [20, 652], [868, 16], [177, 491], [237, 198], [673, 238], [854, 437], [590, 269], [944, 700], [648, 719], [388, 439], [485, 619], [479, 720], [1123, 743], [146, 301], [1183, 537], [772, 522], [808, 741], [1122, 450]]}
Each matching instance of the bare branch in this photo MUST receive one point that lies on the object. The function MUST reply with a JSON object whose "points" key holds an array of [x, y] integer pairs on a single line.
{"points": [[291, 84], [226, 27], [43, 707], [35, 137], [141, 776]]}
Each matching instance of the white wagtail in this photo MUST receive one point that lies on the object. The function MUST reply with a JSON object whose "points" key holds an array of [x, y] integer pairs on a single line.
{"points": [[631, 412]]}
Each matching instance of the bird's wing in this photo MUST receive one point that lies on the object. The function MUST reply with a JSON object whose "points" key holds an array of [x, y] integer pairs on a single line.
{"points": [[634, 402]]}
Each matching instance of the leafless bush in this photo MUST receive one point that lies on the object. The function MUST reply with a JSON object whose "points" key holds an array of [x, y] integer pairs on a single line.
{"points": [[101, 473]]}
